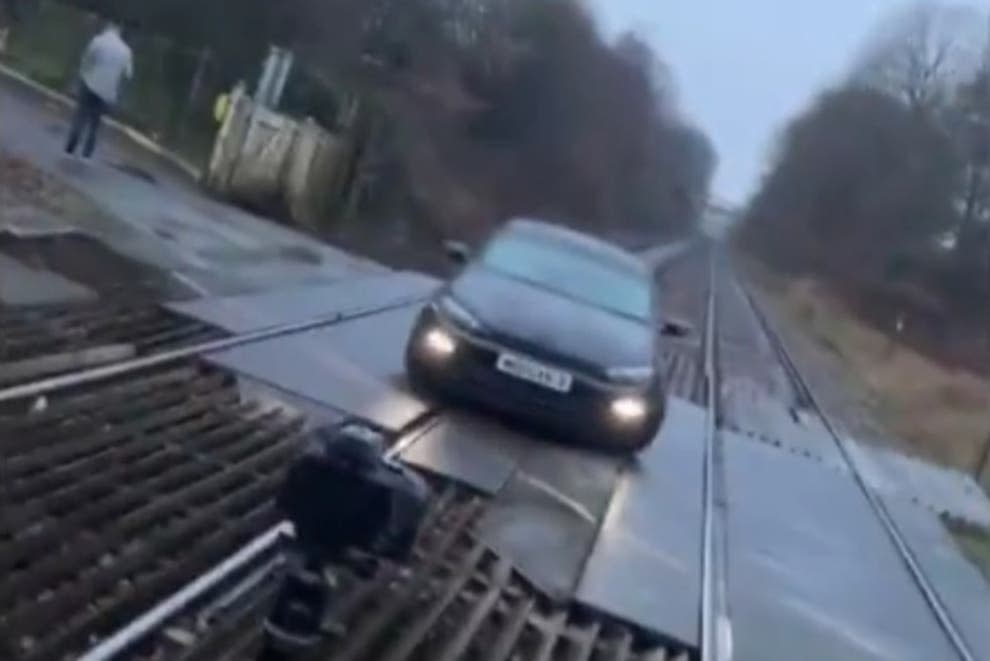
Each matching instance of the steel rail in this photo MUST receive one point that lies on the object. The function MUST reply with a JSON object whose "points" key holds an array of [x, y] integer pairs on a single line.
{"points": [[716, 627], [92, 375], [924, 584], [131, 634]]}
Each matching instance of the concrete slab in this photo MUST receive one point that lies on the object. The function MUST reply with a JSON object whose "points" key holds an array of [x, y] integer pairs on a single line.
{"points": [[268, 398], [354, 367], [22, 285], [812, 574], [377, 343], [940, 490], [764, 418], [240, 314], [546, 518], [964, 591], [469, 449], [645, 565]]}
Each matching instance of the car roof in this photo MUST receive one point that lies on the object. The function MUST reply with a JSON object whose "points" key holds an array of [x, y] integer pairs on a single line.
{"points": [[578, 241]]}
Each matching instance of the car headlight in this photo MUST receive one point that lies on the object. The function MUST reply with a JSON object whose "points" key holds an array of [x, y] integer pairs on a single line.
{"points": [[635, 375], [439, 342], [457, 314], [629, 409]]}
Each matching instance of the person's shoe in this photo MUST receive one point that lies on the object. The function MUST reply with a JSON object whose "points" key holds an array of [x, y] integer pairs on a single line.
{"points": [[73, 160]]}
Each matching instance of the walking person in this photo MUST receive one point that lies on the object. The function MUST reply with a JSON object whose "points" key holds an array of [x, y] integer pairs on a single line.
{"points": [[106, 62]]}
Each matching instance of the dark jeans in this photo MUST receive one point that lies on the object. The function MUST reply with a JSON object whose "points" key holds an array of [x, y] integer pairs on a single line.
{"points": [[90, 109]]}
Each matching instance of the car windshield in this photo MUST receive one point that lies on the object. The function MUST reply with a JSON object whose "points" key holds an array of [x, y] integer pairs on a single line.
{"points": [[571, 274]]}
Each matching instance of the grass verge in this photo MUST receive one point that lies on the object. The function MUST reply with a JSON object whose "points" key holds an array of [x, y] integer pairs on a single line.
{"points": [[941, 414]]}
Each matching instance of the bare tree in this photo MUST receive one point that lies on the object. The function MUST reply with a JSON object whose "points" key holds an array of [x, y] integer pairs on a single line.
{"points": [[934, 59], [922, 52], [631, 48]]}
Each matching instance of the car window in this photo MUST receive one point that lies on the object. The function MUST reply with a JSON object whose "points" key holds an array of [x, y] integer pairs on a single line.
{"points": [[572, 274]]}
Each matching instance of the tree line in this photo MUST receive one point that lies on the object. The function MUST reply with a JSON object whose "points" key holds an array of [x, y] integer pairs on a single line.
{"points": [[883, 186], [483, 108]]}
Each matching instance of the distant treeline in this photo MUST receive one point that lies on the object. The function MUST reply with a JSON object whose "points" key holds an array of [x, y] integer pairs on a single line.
{"points": [[883, 185]]}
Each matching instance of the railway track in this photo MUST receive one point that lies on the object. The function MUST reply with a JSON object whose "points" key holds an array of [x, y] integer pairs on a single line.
{"points": [[122, 483], [806, 399], [145, 487]]}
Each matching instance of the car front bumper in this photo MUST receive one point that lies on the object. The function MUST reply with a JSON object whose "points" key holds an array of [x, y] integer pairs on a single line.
{"points": [[584, 415]]}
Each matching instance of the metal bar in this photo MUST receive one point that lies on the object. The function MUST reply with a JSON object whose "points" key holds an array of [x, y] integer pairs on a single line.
{"points": [[502, 648], [227, 601], [75, 328], [417, 631], [419, 430], [134, 632], [583, 644], [623, 647], [53, 363], [924, 584], [358, 642], [57, 412], [466, 631], [202, 547], [46, 386], [550, 636], [716, 628]]}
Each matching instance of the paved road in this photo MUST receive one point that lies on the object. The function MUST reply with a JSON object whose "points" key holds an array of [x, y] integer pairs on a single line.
{"points": [[159, 216]]}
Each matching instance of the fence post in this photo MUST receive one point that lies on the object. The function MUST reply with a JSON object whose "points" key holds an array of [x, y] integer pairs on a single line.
{"points": [[274, 76], [229, 140], [194, 89]]}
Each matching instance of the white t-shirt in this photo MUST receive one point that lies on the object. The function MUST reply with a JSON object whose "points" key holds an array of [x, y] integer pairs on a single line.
{"points": [[105, 63]]}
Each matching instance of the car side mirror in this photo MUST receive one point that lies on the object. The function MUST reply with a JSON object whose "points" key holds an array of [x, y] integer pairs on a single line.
{"points": [[674, 328], [457, 252]]}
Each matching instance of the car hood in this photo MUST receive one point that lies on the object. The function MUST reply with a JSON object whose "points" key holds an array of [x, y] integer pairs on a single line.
{"points": [[551, 326]]}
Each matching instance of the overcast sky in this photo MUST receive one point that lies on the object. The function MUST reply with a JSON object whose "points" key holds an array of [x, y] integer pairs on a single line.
{"points": [[744, 67]]}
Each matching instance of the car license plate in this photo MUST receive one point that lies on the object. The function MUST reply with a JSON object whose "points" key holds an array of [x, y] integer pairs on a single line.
{"points": [[534, 372]]}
